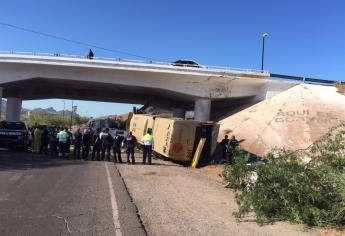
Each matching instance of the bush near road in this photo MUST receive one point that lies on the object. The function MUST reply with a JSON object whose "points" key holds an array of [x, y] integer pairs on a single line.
{"points": [[52, 119], [304, 187]]}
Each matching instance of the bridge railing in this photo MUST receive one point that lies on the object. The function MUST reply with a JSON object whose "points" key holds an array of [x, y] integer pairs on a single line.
{"points": [[304, 79], [218, 68], [181, 66]]}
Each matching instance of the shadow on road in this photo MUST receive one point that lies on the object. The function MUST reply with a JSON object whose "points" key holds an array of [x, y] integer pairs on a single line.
{"points": [[10, 160]]}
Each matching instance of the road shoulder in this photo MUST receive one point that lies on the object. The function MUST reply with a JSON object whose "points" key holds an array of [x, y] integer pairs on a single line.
{"points": [[175, 200], [128, 214]]}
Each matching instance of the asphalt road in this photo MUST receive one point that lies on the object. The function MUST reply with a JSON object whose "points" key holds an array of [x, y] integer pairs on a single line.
{"points": [[40, 195]]}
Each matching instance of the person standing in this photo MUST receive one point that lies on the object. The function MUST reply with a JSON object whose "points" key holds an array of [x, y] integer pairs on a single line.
{"points": [[147, 147], [224, 145], [106, 143], [44, 141], [53, 142], [69, 139], [90, 55], [87, 140], [30, 139], [130, 142], [37, 140], [77, 143], [96, 145], [233, 143], [62, 139], [57, 140], [118, 140]]}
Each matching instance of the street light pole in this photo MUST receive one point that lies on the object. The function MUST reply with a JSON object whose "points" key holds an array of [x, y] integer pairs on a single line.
{"points": [[72, 115], [263, 51], [64, 108]]}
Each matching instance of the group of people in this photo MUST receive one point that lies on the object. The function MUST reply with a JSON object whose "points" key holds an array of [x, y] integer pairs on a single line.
{"points": [[229, 148], [100, 143], [42, 139]]}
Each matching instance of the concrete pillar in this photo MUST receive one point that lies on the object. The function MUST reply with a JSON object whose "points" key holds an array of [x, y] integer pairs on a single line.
{"points": [[0, 103], [179, 113], [14, 107], [202, 109]]}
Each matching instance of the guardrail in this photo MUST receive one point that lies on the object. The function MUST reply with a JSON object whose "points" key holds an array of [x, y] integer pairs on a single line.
{"points": [[151, 62], [305, 79], [133, 61]]}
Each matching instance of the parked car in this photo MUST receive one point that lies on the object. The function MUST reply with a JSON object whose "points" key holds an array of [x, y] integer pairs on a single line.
{"points": [[13, 135], [185, 62]]}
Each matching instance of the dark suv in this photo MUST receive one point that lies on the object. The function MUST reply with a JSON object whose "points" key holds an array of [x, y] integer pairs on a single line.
{"points": [[13, 134], [186, 63]]}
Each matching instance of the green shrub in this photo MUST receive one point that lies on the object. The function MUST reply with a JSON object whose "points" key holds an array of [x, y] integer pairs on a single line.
{"points": [[40, 118], [290, 188]]}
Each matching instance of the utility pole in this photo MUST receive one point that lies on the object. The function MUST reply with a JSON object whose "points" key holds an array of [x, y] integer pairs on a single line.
{"points": [[74, 112], [263, 51], [72, 115], [64, 108]]}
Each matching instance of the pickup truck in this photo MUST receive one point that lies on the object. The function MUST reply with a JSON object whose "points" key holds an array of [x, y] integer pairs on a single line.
{"points": [[13, 135]]}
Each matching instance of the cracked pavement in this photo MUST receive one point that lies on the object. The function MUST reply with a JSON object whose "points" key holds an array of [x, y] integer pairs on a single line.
{"points": [[40, 195]]}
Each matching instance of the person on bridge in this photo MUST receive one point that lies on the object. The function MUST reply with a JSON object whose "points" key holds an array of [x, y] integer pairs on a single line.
{"points": [[96, 147], [90, 55], [77, 143], [62, 139], [118, 140], [147, 140], [87, 140], [106, 143], [130, 142]]}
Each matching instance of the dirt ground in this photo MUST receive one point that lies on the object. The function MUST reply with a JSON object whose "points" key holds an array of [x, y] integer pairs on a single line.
{"points": [[175, 200]]}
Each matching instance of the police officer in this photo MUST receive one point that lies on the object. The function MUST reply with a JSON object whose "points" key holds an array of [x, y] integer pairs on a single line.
{"points": [[147, 147], [62, 139], [233, 143], [130, 142], [44, 141], [53, 142], [106, 143], [77, 143], [224, 145], [96, 145], [118, 140], [69, 140], [86, 141]]}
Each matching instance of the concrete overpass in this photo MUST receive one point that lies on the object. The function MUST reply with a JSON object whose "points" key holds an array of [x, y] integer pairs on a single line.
{"points": [[44, 76]]}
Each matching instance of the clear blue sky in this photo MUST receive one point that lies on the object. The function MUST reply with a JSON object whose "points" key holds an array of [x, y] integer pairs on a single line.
{"points": [[305, 37]]}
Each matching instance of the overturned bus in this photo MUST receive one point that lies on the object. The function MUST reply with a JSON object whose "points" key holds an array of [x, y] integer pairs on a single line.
{"points": [[139, 124], [177, 139]]}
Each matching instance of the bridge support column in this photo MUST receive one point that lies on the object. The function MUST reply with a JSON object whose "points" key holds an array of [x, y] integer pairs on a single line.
{"points": [[179, 113], [202, 109], [0, 103], [14, 107]]}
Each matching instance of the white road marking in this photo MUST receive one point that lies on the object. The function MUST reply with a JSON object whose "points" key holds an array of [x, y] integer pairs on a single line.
{"points": [[113, 204]]}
